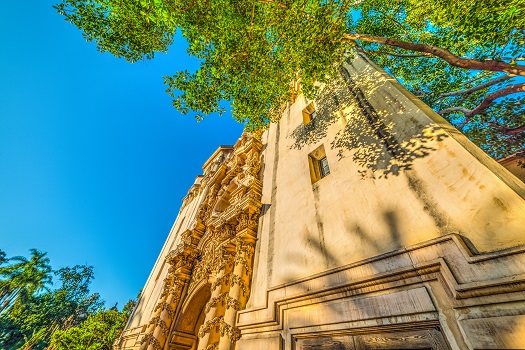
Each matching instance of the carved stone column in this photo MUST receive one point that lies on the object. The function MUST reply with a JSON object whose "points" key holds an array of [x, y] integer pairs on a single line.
{"points": [[209, 332], [148, 339], [157, 333], [240, 280]]}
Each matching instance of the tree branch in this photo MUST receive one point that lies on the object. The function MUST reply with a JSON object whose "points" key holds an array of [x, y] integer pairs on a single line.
{"points": [[487, 101], [463, 110], [468, 63], [477, 88], [398, 54], [514, 131]]}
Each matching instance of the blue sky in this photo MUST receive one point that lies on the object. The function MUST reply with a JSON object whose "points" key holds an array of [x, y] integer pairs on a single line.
{"points": [[94, 160]]}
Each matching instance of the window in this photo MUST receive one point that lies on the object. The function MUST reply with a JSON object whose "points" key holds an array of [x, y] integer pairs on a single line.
{"points": [[309, 113], [323, 167], [318, 164]]}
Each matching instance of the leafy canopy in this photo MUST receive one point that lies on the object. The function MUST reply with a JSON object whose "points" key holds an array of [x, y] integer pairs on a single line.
{"points": [[37, 312], [251, 51], [98, 332]]}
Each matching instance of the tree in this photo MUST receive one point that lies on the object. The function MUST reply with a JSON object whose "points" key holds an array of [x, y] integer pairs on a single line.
{"points": [[98, 332], [477, 87], [463, 59], [31, 321], [3, 260], [23, 278]]}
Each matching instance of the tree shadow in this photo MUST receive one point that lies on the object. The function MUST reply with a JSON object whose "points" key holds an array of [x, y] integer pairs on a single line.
{"points": [[381, 142], [376, 245]]}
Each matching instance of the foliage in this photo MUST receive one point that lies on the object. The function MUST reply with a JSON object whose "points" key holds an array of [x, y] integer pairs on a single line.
{"points": [[38, 313], [70, 303], [251, 51], [98, 332], [23, 278], [480, 29]]}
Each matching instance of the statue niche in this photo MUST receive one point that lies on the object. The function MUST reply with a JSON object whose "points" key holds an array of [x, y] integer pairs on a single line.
{"points": [[230, 194], [223, 198]]}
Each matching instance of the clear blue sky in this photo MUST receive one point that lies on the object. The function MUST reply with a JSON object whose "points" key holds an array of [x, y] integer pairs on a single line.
{"points": [[94, 160]]}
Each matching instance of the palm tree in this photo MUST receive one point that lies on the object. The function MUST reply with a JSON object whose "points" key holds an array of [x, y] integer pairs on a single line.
{"points": [[23, 278]]}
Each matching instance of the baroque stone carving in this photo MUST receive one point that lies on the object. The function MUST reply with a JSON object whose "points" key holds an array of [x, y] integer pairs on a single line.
{"points": [[151, 340], [230, 194], [208, 325], [236, 279], [221, 280], [213, 346], [231, 331]]}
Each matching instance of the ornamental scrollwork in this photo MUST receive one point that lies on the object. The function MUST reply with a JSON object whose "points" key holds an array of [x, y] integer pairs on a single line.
{"points": [[236, 279], [245, 245], [226, 231], [225, 300], [233, 303], [215, 300], [163, 326], [164, 306], [253, 164], [182, 257], [201, 215], [221, 280], [226, 329], [247, 220], [154, 320], [151, 340], [210, 324], [213, 346], [241, 259]]}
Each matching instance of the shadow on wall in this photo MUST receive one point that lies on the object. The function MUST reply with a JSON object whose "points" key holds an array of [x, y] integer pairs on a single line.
{"points": [[381, 142], [358, 237]]}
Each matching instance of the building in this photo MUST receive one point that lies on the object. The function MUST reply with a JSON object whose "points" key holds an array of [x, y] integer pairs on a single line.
{"points": [[362, 220]]}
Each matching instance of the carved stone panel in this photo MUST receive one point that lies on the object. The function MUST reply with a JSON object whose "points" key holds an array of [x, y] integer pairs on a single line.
{"points": [[430, 339]]}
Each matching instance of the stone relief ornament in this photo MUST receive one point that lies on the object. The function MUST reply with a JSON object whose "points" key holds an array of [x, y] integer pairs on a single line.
{"points": [[151, 340], [218, 242], [231, 331]]}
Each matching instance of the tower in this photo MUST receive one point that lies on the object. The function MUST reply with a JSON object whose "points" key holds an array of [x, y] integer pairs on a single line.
{"points": [[362, 220]]}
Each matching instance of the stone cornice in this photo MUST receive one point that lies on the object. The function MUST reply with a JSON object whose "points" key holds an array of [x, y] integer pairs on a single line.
{"points": [[446, 260]]}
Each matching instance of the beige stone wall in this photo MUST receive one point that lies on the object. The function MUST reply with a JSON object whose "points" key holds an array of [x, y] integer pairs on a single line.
{"points": [[416, 238], [384, 206], [437, 187]]}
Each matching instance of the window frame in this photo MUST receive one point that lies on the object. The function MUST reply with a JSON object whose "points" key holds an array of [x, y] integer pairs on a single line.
{"points": [[324, 168]]}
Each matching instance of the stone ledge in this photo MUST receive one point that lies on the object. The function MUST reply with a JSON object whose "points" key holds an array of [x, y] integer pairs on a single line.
{"points": [[446, 259]]}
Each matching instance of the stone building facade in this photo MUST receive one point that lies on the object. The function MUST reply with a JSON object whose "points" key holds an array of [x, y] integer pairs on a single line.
{"points": [[361, 220]]}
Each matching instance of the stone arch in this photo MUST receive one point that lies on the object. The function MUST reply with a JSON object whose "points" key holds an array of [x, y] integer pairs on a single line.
{"points": [[184, 335]]}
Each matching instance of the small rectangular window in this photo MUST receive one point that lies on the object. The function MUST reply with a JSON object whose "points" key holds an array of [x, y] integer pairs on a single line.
{"points": [[323, 165], [318, 164], [309, 113]]}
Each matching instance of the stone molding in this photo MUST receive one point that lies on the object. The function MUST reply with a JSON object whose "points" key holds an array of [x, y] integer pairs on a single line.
{"points": [[445, 260]]}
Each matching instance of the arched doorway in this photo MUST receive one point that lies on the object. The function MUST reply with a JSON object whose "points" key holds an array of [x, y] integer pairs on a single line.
{"points": [[184, 332]]}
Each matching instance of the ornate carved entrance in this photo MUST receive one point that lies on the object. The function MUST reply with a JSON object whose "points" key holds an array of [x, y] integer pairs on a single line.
{"points": [[184, 335], [210, 274]]}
